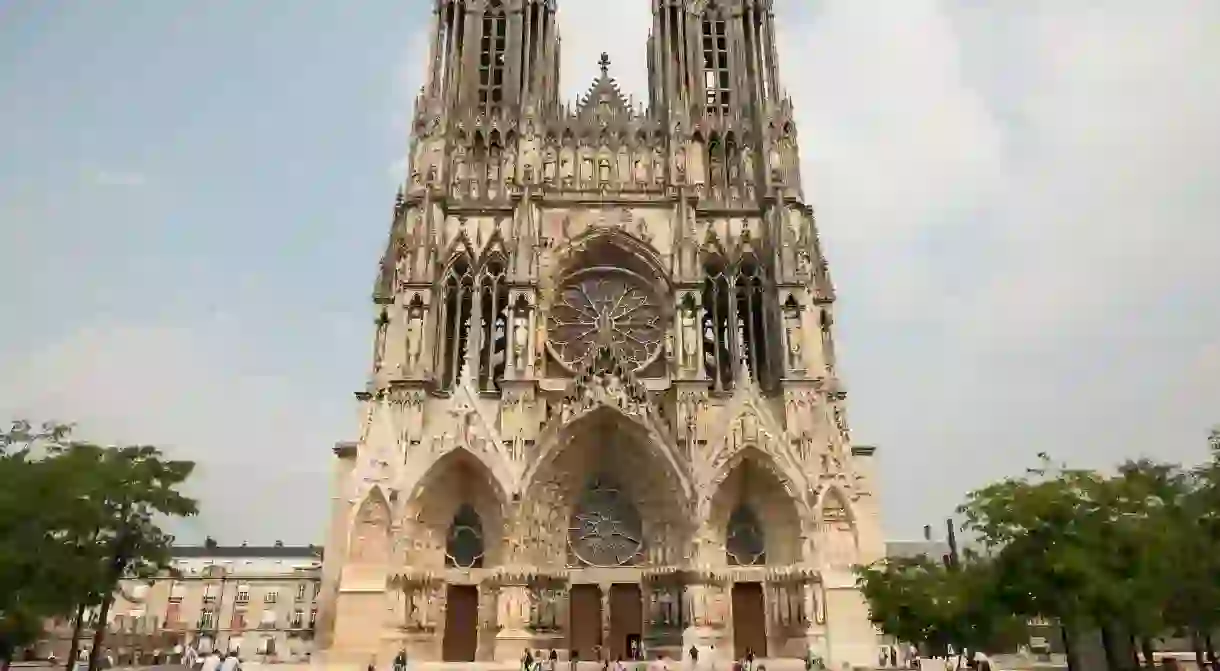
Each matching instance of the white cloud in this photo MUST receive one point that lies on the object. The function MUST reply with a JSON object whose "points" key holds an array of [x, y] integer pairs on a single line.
{"points": [[1019, 209]]}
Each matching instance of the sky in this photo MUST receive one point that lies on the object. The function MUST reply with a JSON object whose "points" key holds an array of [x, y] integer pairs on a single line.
{"points": [[1020, 203]]}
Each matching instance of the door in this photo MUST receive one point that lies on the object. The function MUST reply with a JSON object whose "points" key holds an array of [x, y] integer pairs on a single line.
{"points": [[626, 618], [749, 620], [584, 620], [461, 623]]}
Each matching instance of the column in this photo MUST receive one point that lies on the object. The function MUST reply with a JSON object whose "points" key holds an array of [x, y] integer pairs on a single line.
{"points": [[605, 594]]}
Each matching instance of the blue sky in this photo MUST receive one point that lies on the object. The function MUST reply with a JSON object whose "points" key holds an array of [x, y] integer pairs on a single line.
{"points": [[1019, 207]]}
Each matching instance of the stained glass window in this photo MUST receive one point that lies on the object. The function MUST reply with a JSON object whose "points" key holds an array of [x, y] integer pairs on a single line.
{"points": [[745, 543], [464, 546], [605, 307], [605, 529]]}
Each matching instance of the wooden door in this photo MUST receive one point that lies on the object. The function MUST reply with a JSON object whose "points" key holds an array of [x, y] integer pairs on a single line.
{"points": [[626, 617], [461, 638], [584, 620], [749, 620]]}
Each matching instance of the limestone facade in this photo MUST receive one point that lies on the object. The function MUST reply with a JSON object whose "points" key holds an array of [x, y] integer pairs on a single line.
{"points": [[603, 409]]}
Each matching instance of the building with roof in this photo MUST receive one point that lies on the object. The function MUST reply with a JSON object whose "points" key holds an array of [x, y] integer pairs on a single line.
{"points": [[261, 601]]}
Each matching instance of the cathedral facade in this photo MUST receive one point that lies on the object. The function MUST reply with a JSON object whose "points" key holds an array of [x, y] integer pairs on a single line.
{"points": [[604, 414]]}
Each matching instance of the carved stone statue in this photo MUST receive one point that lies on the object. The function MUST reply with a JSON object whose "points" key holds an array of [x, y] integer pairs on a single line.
{"points": [[792, 333], [690, 336], [415, 336], [379, 343], [521, 339], [548, 168]]}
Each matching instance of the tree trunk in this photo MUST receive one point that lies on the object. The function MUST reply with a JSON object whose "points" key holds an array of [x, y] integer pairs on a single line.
{"points": [[99, 631], [74, 647], [1196, 644], [1072, 663], [1107, 645], [1146, 647]]}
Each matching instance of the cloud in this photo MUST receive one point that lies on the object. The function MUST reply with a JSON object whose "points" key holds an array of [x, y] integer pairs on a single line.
{"points": [[118, 179], [1019, 208]]}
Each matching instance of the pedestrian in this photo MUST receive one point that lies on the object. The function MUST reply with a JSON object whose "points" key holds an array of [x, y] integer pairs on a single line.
{"points": [[573, 659], [400, 660], [527, 661], [553, 661]]}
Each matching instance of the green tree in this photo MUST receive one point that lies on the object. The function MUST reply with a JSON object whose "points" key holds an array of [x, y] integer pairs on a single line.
{"points": [[34, 514], [136, 488], [75, 519], [1194, 552], [1041, 534], [922, 601]]}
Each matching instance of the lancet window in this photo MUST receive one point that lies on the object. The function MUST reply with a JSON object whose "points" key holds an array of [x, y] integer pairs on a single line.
{"points": [[716, 79], [464, 544], [492, 56], [493, 329], [735, 327], [744, 543], [453, 321]]}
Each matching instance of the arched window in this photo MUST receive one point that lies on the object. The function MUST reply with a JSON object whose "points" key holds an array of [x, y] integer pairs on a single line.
{"points": [[752, 318], [464, 545], [453, 321], [745, 544], [718, 325], [493, 327], [717, 86], [491, 56], [735, 325]]}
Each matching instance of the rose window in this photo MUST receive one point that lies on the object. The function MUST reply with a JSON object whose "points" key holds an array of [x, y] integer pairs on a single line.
{"points": [[605, 307], [605, 529]]}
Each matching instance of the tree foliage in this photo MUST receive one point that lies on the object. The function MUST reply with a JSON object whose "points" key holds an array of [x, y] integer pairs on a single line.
{"points": [[1134, 552], [919, 600], [75, 518]]}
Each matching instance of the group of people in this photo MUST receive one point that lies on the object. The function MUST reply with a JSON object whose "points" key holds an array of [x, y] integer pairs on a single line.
{"points": [[214, 661]]}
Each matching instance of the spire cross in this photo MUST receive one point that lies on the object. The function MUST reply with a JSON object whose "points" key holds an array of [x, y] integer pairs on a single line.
{"points": [[604, 64]]}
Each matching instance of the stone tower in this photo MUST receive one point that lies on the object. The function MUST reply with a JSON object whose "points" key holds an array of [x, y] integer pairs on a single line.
{"points": [[603, 411]]}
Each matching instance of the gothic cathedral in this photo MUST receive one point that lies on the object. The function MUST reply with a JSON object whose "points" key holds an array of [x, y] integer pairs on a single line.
{"points": [[603, 415]]}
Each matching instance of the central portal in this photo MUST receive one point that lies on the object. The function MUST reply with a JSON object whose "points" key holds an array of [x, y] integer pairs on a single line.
{"points": [[626, 619]]}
